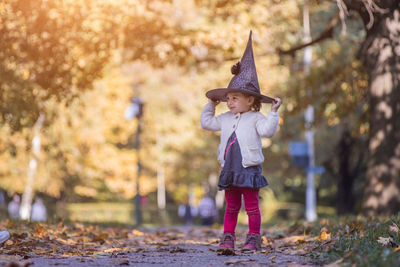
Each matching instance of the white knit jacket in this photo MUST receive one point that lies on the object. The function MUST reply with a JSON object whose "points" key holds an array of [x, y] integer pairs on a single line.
{"points": [[249, 127]]}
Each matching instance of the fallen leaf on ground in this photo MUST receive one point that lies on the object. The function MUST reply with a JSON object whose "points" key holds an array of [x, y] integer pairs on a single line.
{"points": [[290, 240], [335, 264], [226, 252], [40, 230], [136, 232], [394, 228], [325, 236], [238, 261], [384, 240], [100, 238], [176, 250], [121, 262]]}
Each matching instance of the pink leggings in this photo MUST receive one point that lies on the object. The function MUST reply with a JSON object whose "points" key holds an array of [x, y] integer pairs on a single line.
{"points": [[233, 197]]}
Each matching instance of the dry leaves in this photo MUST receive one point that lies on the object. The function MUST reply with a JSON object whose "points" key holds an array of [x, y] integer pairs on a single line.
{"points": [[384, 240], [28, 240], [238, 261], [325, 236], [64, 241], [394, 228], [226, 252]]}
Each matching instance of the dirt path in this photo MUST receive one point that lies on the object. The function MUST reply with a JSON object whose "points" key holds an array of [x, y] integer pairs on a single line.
{"points": [[175, 246]]}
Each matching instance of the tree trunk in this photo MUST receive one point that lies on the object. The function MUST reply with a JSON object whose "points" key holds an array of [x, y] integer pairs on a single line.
{"points": [[26, 203], [380, 54], [345, 199]]}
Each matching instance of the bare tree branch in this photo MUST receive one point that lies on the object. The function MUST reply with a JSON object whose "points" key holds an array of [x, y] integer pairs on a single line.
{"points": [[372, 7], [343, 12], [325, 34], [366, 9]]}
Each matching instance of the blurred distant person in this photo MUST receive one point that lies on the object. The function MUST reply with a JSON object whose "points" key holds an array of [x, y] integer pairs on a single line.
{"points": [[39, 212], [2, 198], [187, 213], [13, 207], [207, 210], [4, 236]]}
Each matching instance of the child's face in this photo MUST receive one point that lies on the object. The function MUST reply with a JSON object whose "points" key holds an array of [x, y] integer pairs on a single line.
{"points": [[238, 102]]}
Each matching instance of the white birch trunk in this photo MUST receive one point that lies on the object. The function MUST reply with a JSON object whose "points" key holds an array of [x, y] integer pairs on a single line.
{"points": [[26, 203]]}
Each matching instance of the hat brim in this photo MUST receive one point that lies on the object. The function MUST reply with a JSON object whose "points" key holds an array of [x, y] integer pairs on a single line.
{"points": [[220, 94]]}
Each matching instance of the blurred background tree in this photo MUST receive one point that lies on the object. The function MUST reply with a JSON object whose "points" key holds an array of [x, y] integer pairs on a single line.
{"points": [[378, 54]]}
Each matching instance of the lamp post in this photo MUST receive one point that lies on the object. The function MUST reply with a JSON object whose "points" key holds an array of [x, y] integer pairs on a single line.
{"points": [[135, 110]]}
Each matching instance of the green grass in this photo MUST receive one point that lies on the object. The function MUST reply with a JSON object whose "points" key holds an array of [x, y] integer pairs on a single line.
{"points": [[355, 241], [120, 213], [104, 212]]}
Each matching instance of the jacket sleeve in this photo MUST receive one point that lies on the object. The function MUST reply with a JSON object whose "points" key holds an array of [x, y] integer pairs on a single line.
{"points": [[208, 120], [267, 126]]}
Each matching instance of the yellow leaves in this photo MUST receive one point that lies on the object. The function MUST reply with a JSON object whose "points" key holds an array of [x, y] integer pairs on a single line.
{"points": [[101, 237], [292, 245], [40, 230], [25, 73], [137, 232], [291, 240], [68, 241], [72, 253], [329, 109], [93, 243], [112, 250], [325, 236], [85, 239], [85, 191], [42, 252]]}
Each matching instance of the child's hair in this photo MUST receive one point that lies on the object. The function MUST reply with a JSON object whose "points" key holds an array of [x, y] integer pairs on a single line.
{"points": [[256, 104]]}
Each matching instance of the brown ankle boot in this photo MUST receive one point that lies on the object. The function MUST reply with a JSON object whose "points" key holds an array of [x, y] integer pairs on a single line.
{"points": [[227, 241], [253, 242]]}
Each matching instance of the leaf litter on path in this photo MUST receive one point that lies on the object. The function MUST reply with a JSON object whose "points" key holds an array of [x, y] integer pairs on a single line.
{"points": [[57, 244]]}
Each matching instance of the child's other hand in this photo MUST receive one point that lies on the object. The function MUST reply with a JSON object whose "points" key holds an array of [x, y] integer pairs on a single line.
{"points": [[276, 104], [214, 102]]}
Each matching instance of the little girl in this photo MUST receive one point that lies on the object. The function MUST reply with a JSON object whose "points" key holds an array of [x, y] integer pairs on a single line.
{"points": [[240, 151]]}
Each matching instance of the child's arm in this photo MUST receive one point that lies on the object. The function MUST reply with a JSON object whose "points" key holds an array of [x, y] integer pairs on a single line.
{"points": [[208, 120], [267, 126]]}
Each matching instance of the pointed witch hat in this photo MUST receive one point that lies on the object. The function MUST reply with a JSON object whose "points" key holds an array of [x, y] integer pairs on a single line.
{"points": [[245, 79]]}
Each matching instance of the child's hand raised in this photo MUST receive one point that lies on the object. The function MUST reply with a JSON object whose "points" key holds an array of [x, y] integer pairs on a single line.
{"points": [[276, 104], [214, 102]]}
